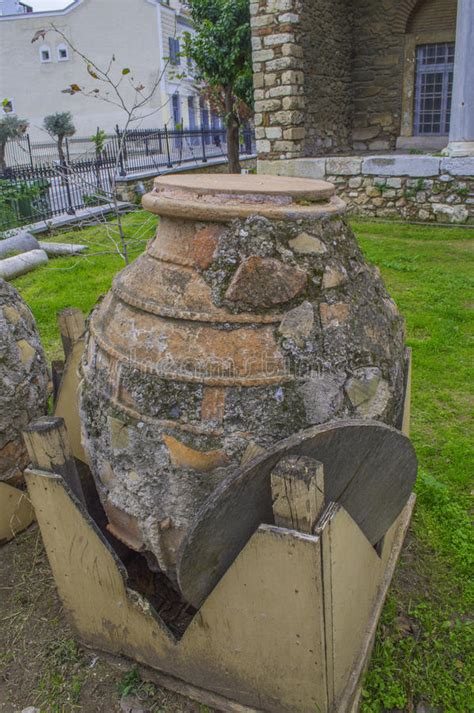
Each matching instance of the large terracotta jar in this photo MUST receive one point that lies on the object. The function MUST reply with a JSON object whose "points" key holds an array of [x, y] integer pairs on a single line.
{"points": [[250, 316], [24, 381]]}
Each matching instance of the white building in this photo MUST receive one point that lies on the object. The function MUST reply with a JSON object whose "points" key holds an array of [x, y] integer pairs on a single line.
{"points": [[143, 35]]}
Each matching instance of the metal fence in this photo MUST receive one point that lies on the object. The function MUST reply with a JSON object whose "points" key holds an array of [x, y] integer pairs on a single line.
{"points": [[36, 185], [135, 149]]}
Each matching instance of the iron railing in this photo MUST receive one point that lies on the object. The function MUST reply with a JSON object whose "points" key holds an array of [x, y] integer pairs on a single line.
{"points": [[36, 185]]}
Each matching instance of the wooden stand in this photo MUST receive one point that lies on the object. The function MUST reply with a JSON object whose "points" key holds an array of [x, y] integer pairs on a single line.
{"points": [[288, 629]]}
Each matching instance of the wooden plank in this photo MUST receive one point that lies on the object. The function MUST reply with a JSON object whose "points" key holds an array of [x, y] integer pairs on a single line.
{"points": [[297, 484], [349, 699], [72, 325], [369, 467], [407, 400], [267, 608], [16, 512], [48, 448], [67, 403]]}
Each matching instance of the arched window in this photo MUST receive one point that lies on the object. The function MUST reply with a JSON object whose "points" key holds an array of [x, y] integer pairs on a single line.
{"points": [[45, 53], [63, 53]]}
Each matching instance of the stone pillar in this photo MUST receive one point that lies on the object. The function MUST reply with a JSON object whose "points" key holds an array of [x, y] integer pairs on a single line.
{"points": [[461, 135], [278, 78]]}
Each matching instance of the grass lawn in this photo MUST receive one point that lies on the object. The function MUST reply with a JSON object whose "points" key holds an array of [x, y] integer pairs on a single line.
{"points": [[423, 651]]}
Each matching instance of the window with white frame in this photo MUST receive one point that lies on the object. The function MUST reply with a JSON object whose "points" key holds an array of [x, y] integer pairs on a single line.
{"points": [[45, 53], [63, 53], [434, 88]]}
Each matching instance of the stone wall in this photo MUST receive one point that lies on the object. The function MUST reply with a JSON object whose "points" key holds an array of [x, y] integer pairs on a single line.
{"points": [[377, 75], [330, 76], [278, 66], [416, 188], [326, 43]]}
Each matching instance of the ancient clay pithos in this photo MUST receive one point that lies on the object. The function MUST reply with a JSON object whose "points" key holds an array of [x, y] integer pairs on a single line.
{"points": [[23, 378], [252, 315]]}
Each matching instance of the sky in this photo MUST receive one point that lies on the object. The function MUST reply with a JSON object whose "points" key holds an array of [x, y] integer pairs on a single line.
{"points": [[39, 5]]}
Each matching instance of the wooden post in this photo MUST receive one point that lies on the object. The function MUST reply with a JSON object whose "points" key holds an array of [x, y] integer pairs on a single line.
{"points": [[297, 492], [48, 447], [72, 325], [57, 372]]}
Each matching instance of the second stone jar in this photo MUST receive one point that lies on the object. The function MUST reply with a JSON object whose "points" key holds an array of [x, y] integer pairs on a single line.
{"points": [[250, 316]]}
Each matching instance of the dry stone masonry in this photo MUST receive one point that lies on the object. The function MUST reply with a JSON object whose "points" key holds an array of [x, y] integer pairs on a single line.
{"points": [[418, 188], [24, 378], [251, 316]]}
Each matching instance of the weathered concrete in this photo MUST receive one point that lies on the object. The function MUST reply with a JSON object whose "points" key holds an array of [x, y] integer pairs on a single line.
{"points": [[239, 326], [23, 378]]}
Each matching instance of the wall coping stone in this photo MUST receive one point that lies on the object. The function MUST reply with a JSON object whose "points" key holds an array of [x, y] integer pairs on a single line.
{"points": [[458, 166], [397, 165], [343, 165], [416, 166], [303, 167]]}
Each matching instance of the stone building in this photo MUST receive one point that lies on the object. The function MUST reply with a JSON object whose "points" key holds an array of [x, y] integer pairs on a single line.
{"points": [[358, 77]]}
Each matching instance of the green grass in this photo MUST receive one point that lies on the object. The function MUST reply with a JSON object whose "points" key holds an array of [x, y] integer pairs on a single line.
{"points": [[423, 645], [423, 650], [79, 281]]}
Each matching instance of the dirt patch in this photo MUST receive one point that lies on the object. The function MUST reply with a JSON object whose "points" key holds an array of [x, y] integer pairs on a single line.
{"points": [[40, 662]]}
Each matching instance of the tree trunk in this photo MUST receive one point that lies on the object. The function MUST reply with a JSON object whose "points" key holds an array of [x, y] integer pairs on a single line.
{"points": [[62, 157], [233, 137]]}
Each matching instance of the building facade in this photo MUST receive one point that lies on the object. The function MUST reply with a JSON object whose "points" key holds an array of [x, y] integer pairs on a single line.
{"points": [[143, 35], [355, 76]]}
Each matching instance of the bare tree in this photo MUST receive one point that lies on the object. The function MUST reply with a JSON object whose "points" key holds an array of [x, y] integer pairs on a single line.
{"points": [[118, 87]]}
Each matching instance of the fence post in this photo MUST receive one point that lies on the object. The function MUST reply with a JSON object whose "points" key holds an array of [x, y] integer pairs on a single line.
{"points": [[169, 164], [203, 142], [30, 151], [119, 144]]}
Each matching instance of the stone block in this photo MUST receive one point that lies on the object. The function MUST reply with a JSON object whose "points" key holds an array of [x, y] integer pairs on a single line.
{"points": [[263, 55], [282, 63], [293, 103], [263, 146], [278, 39], [256, 43], [343, 166], [268, 105], [269, 79], [290, 18], [283, 91], [273, 132], [301, 167], [355, 182], [287, 118], [294, 134], [292, 77], [292, 50], [365, 133], [261, 20], [458, 166], [450, 213], [394, 182], [417, 166]]}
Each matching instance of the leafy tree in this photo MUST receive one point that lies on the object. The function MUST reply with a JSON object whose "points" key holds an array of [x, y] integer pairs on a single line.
{"points": [[11, 127], [221, 51], [59, 126]]}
